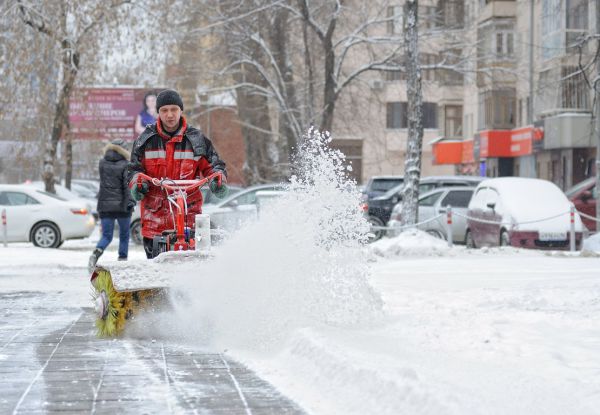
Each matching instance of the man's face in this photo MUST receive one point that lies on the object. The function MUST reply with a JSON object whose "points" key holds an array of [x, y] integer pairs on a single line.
{"points": [[169, 117]]}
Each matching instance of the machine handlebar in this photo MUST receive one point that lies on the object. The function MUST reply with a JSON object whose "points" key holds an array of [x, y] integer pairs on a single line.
{"points": [[184, 185]]}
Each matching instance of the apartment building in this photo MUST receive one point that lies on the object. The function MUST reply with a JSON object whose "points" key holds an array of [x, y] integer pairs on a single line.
{"points": [[373, 114], [527, 102]]}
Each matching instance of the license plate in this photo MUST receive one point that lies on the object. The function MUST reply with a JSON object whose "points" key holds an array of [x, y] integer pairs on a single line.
{"points": [[553, 236]]}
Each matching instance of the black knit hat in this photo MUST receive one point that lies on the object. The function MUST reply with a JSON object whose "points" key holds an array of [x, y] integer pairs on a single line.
{"points": [[168, 97]]}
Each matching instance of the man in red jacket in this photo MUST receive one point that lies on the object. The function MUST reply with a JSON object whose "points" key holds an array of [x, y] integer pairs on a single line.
{"points": [[171, 149]]}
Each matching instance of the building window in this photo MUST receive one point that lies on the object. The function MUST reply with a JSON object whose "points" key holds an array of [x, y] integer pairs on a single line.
{"points": [[428, 17], [448, 76], [453, 121], [497, 109], [577, 14], [428, 62], [430, 115], [451, 13], [574, 90], [504, 44], [396, 22], [577, 20], [563, 23], [396, 115], [497, 41]]}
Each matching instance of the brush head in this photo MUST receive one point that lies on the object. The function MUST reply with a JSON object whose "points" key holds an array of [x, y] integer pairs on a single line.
{"points": [[114, 308]]}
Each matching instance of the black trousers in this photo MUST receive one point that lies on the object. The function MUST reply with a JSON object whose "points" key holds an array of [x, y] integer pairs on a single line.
{"points": [[148, 248]]}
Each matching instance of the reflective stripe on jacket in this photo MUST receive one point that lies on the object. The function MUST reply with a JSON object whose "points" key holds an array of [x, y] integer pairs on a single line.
{"points": [[188, 155]]}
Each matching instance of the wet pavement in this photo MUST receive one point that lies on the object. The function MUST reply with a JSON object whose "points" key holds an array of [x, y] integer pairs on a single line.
{"points": [[51, 362]]}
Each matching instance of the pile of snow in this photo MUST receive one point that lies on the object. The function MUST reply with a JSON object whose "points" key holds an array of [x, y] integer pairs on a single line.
{"points": [[410, 243], [591, 245]]}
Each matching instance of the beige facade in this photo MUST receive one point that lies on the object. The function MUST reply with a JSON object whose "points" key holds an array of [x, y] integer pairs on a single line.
{"points": [[373, 109], [517, 71]]}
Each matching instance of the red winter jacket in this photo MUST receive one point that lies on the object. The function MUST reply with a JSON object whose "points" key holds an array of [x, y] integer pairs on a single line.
{"points": [[187, 155]]}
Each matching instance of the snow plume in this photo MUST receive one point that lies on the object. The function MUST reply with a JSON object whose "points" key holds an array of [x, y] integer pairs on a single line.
{"points": [[301, 264]]}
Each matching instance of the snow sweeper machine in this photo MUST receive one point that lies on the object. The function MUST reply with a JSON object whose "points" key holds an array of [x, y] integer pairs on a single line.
{"points": [[120, 290]]}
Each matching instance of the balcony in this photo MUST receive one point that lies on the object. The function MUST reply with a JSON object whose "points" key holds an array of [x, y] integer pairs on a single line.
{"points": [[489, 9]]}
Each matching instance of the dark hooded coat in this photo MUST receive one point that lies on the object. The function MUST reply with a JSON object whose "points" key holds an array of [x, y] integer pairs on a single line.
{"points": [[114, 199]]}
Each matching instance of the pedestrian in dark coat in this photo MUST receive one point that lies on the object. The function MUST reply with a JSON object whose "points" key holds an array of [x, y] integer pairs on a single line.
{"points": [[114, 200]]}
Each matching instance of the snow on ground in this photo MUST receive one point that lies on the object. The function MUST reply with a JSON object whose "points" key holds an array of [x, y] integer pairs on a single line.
{"points": [[62, 272], [491, 332], [406, 325], [412, 242], [478, 332]]}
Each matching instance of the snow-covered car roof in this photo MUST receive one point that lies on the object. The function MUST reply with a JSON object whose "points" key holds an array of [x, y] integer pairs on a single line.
{"points": [[528, 199]]}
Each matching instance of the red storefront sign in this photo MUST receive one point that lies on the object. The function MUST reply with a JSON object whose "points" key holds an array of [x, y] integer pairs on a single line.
{"points": [[467, 152], [447, 152], [521, 141], [492, 143], [105, 113]]}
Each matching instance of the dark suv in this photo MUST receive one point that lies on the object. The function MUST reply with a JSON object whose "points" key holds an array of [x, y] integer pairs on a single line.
{"points": [[378, 185], [380, 208]]}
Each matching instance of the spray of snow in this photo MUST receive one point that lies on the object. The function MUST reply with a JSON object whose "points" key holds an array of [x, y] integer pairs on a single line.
{"points": [[301, 264]]}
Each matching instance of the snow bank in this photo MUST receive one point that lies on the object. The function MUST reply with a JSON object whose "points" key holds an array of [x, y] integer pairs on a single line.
{"points": [[591, 245], [410, 243]]}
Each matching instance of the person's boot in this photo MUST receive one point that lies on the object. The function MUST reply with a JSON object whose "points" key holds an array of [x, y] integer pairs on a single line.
{"points": [[122, 258], [94, 258]]}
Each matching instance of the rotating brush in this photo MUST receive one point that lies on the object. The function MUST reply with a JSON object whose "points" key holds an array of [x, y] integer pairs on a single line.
{"points": [[112, 307]]}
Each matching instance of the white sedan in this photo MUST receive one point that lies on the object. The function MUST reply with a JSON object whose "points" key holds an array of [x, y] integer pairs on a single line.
{"points": [[231, 213], [45, 219]]}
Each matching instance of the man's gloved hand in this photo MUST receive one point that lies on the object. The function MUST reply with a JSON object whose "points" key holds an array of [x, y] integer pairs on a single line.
{"points": [[139, 189], [219, 191]]}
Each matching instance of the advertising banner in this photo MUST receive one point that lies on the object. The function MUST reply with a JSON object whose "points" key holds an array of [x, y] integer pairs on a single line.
{"points": [[105, 113]]}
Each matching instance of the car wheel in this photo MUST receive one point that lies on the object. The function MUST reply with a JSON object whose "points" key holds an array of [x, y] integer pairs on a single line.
{"points": [[436, 234], [377, 233], [504, 239], [135, 231], [469, 240], [45, 235]]}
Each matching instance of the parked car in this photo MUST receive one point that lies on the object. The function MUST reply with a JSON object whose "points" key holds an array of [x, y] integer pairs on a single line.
{"points": [[135, 227], [92, 185], [230, 213], [585, 197], [63, 192], [379, 209], [378, 185], [45, 219], [533, 213], [434, 203], [83, 191]]}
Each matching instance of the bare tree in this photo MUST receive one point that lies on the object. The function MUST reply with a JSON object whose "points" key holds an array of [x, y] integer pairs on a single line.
{"points": [[412, 165], [72, 27], [300, 78]]}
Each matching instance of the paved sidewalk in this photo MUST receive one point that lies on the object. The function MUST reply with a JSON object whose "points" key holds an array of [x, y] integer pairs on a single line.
{"points": [[52, 363]]}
